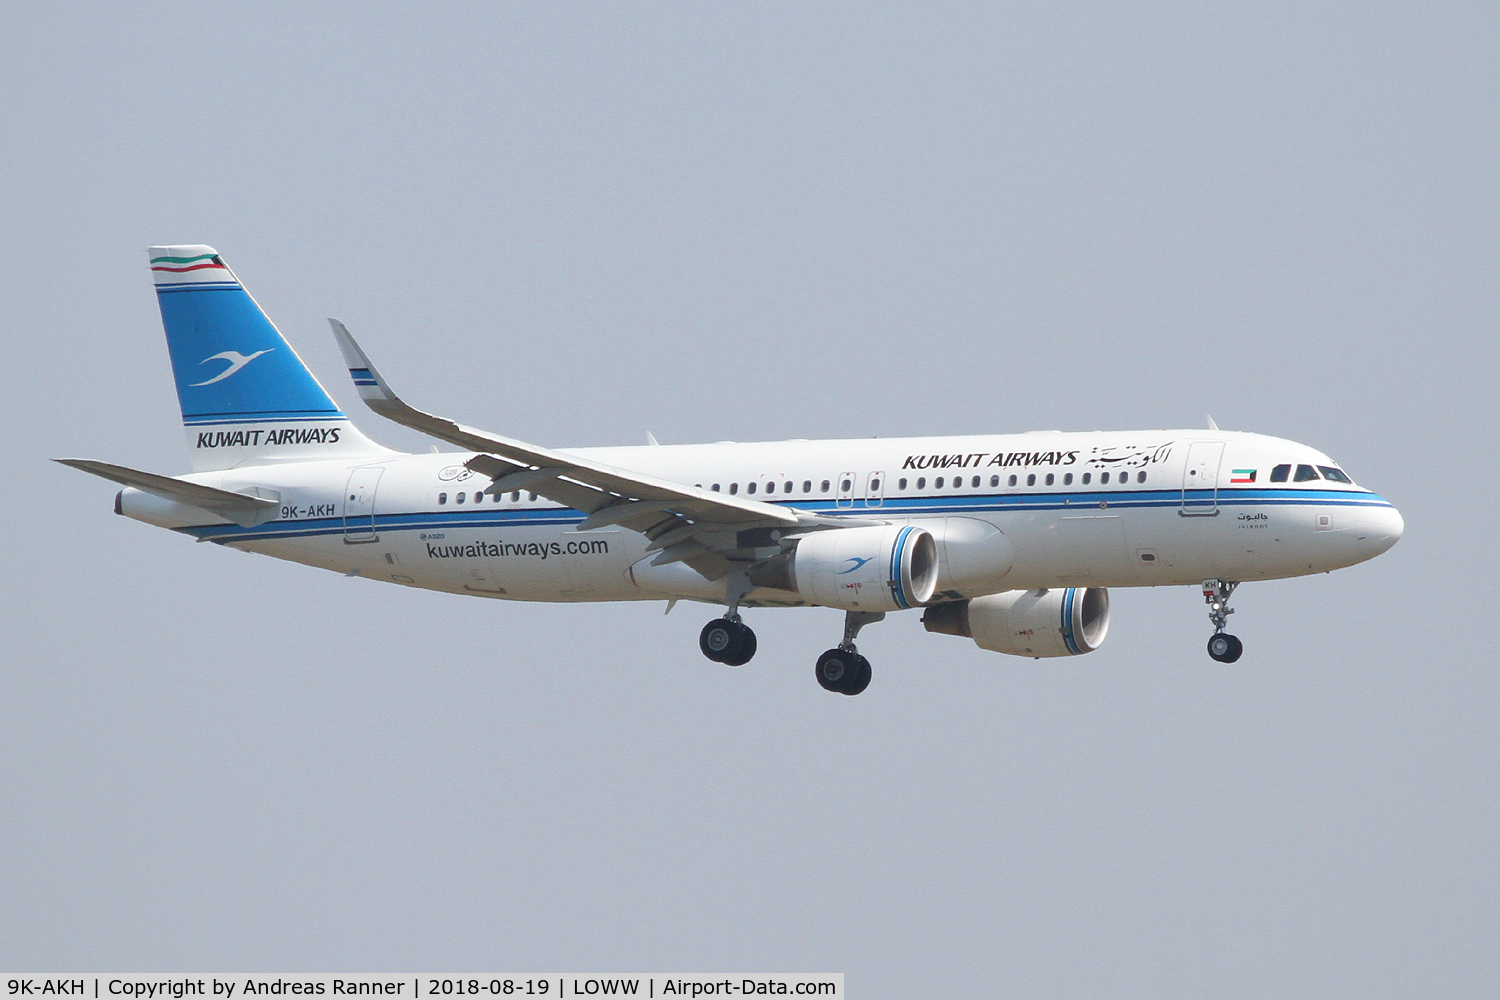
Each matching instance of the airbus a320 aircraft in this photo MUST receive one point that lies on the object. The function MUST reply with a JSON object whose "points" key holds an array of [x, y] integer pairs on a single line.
{"points": [[1010, 540]]}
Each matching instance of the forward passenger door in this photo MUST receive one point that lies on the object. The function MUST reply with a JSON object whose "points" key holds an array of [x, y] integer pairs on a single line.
{"points": [[1200, 479]]}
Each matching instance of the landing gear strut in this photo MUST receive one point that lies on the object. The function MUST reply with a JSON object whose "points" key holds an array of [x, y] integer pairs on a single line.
{"points": [[1221, 645], [728, 640], [842, 669]]}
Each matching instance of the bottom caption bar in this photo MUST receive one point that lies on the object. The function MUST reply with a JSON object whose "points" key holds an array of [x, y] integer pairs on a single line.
{"points": [[412, 987]]}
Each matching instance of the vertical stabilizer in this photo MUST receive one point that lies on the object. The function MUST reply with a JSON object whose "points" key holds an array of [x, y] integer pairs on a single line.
{"points": [[247, 398]]}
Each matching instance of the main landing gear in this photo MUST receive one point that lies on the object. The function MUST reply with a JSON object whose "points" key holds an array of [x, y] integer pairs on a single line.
{"points": [[1221, 645], [841, 669], [728, 640]]}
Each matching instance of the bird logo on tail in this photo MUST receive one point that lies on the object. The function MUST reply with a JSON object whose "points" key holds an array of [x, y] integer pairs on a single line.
{"points": [[236, 362]]}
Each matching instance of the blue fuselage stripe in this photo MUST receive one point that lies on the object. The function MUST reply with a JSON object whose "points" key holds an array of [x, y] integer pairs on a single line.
{"points": [[483, 517]]}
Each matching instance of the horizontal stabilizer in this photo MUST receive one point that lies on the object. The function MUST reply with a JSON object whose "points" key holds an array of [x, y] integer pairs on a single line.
{"points": [[241, 508]]}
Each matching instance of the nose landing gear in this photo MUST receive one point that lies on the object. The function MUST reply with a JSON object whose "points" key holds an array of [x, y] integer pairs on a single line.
{"points": [[1222, 646], [841, 669]]}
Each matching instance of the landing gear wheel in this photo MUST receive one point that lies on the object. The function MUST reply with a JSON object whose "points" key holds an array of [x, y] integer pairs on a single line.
{"points": [[843, 672], [728, 642], [861, 679], [716, 639], [1224, 647], [832, 668], [744, 648]]}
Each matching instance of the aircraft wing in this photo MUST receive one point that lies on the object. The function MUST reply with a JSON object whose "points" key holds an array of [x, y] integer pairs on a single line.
{"points": [[684, 522]]}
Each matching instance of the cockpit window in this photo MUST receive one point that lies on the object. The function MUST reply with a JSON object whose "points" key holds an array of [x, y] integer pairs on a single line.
{"points": [[1279, 474], [1336, 475], [1305, 473]]}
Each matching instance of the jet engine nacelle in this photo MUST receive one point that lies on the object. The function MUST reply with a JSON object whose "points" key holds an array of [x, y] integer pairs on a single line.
{"points": [[883, 567], [1055, 622]]}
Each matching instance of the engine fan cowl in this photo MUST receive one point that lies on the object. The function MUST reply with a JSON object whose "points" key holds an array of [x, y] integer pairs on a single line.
{"points": [[884, 567], [1056, 622]]}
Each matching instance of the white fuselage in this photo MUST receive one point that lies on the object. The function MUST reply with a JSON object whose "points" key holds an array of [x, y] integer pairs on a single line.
{"points": [[1011, 512]]}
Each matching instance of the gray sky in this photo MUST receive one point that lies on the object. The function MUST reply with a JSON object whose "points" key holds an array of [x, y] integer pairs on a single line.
{"points": [[573, 224]]}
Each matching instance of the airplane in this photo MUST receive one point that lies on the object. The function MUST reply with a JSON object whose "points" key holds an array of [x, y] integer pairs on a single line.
{"points": [[1011, 540]]}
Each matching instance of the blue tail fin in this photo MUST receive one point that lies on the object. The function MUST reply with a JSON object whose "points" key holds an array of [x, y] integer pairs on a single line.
{"points": [[246, 396]]}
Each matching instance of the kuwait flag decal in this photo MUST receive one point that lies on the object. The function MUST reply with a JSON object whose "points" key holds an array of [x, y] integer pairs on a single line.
{"points": [[1242, 475]]}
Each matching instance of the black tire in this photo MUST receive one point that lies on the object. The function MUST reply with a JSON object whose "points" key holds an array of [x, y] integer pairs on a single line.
{"points": [[859, 679], [833, 667], [716, 639], [743, 648], [1224, 647]]}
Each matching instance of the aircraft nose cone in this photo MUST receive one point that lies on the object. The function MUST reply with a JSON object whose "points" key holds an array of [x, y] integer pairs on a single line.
{"points": [[1383, 528]]}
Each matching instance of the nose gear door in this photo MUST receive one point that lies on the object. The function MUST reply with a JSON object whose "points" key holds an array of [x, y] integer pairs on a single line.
{"points": [[1200, 479]]}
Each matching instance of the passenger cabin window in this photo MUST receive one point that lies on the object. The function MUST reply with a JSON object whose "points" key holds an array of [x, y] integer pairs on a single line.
{"points": [[442, 498], [922, 482], [734, 487], [901, 485], [1031, 479], [715, 487], [994, 482], [515, 497], [874, 486], [846, 486], [749, 487], [1280, 473], [1086, 477], [1011, 481], [1068, 479], [1140, 477], [974, 482], [824, 488], [460, 497], [1305, 473], [1104, 478], [1334, 475], [1049, 479], [786, 487], [807, 486]]}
